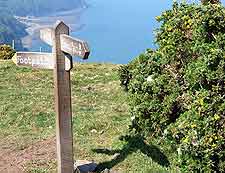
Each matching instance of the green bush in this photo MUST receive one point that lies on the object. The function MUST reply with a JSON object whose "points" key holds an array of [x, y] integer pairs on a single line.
{"points": [[177, 92], [6, 52]]}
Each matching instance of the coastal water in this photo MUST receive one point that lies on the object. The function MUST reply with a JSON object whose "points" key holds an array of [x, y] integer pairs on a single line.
{"points": [[119, 30], [116, 30]]}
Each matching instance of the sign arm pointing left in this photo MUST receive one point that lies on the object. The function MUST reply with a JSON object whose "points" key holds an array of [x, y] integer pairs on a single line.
{"points": [[39, 60]]}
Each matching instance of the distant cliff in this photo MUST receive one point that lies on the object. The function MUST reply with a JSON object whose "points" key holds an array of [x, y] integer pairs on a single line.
{"points": [[11, 29], [41, 7]]}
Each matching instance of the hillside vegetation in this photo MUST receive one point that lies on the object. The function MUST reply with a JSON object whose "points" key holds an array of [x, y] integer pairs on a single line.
{"points": [[38, 7], [100, 116], [177, 92], [10, 29], [6, 52]]}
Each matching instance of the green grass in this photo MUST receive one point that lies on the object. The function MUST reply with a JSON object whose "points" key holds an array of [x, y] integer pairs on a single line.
{"points": [[100, 116]]}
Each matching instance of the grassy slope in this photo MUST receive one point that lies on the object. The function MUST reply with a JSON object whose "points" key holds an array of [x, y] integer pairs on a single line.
{"points": [[100, 115]]}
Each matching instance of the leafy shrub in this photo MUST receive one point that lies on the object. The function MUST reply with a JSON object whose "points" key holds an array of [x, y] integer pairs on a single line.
{"points": [[125, 70], [177, 92], [6, 52]]}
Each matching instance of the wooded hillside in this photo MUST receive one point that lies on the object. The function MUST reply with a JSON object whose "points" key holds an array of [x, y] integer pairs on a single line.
{"points": [[11, 29], [38, 7]]}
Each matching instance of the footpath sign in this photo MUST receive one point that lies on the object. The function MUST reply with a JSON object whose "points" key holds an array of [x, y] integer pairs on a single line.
{"points": [[68, 44], [60, 61], [39, 60]]}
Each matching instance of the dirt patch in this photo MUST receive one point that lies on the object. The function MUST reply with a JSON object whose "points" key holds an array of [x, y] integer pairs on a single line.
{"points": [[14, 161]]}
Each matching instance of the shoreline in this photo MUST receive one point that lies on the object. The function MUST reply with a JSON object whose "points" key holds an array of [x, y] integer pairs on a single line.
{"points": [[34, 24]]}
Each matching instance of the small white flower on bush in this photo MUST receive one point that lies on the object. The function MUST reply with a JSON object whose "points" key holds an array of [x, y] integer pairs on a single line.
{"points": [[132, 118], [165, 133], [179, 151], [194, 142], [150, 78]]}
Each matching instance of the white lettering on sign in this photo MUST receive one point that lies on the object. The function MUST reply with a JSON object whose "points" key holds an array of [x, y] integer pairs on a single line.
{"points": [[39, 60], [33, 61], [77, 48], [21, 60], [72, 46]]}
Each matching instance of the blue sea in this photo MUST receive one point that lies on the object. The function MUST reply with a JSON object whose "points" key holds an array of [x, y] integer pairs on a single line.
{"points": [[119, 30]]}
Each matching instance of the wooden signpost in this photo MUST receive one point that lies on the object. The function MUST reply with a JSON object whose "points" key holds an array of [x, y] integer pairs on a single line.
{"points": [[68, 44], [60, 60], [39, 60]]}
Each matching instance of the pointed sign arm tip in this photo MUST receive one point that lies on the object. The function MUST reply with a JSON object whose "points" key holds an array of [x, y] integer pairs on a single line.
{"points": [[14, 58], [60, 23]]}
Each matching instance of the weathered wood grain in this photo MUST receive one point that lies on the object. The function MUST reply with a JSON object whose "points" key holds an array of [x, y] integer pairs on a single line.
{"points": [[62, 104]]}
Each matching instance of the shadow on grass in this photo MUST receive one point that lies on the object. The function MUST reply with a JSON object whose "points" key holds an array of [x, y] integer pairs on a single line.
{"points": [[133, 145]]}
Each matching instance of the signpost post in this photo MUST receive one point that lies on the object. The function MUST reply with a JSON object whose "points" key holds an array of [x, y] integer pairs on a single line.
{"points": [[64, 138], [60, 60]]}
